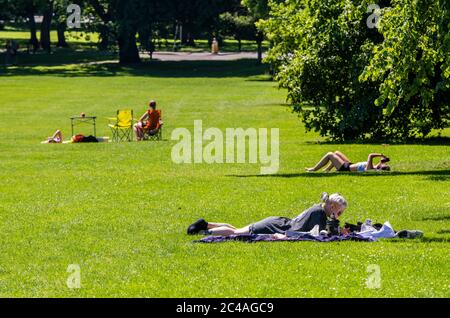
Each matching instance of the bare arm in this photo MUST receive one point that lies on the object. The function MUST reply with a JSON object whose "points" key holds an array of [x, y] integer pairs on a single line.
{"points": [[143, 117], [370, 160]]}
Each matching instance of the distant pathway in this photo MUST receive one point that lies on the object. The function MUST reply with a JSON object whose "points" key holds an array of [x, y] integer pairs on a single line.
{"points": [[201, 56]]}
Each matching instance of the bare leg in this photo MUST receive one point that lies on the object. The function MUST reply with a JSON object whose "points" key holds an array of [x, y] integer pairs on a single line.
{"points": [[135, 131], [243, 230], [138, 131], [222, 230], [56, 134], [141, 132], [215, 225], [329, 168], [58, 137], [225, 230], [329, 157], [342, 156]]}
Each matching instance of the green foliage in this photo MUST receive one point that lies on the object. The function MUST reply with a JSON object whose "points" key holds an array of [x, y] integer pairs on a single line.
{"points": [[120, 22], [318, 57], [239, 26], [258, 8], [5, 13], [412, 64], [335, 67]]}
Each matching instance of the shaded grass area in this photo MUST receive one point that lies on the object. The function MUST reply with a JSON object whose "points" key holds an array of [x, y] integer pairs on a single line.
{"points": [[436, 175], [83, 59], [166, 69], [76, 40], [120, 210]]}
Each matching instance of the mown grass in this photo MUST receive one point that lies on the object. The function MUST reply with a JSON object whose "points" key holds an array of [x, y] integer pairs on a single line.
{"points": [[120, 210]]}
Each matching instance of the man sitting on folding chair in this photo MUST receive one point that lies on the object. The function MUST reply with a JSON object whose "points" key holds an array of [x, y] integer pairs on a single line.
{"points": [[149, 124]]}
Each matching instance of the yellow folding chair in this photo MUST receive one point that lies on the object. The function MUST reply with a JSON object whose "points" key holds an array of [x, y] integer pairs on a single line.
{"points": [[122, 125]]}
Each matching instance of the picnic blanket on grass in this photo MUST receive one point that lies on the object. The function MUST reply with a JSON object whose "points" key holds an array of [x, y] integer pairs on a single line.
{"points": [[269, 238]]}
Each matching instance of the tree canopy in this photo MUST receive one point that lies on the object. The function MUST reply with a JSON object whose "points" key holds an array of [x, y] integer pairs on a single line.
{"points": [[122, 23], [349, 81]]}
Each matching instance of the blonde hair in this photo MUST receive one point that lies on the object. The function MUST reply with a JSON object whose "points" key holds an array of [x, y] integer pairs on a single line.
{"points": [[334, 198]]}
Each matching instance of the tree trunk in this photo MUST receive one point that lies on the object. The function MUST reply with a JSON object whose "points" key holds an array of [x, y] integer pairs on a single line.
{"points": [[128, 51], [191, 40], [104, 31], [259, 52], [33, 38], [271, 66], [61, 29], [45, 28], [188, 39], [239, 44], [144, 38], [259, 40], [104, 38]]}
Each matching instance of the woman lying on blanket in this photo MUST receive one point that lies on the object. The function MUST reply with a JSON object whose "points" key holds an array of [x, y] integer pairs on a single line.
{"points": [[340, 161], [331, 207]]}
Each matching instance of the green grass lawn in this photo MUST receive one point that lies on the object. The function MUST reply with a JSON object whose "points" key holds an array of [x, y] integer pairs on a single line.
{"points": [[120, 210]]}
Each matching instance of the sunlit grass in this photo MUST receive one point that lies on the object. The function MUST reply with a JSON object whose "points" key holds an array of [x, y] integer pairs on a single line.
{"points": [[120, 210]]}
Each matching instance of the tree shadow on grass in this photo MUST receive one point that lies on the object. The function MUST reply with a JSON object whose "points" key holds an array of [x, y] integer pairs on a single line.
{"points": [[427, 141], [165, 69], [60, 57], [261, 78], [423, 239], [437, 218], [441, 175]]}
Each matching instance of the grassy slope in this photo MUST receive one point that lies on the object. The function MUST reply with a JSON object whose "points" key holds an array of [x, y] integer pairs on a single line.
{"points": [[120, 211]]}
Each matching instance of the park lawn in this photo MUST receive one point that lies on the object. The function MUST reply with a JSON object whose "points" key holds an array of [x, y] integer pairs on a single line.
{"points": [[72, 37], [120, 210], [84, 40]]}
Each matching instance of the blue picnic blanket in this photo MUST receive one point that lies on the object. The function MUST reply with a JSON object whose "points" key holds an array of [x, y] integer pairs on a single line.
{"points": [[269, 238]]}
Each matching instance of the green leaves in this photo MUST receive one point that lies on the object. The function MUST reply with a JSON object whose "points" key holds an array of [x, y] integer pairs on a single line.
{"points": [[390, 82], [414, 33]]}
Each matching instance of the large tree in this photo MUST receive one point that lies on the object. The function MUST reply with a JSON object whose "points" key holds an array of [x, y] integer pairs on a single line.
{"points": [[122, 17], [412, 64], [238, 25], [7, 11], [47, 13], [25, 9], [335, 66], [197, 17], [259, 9], [60, 19]]}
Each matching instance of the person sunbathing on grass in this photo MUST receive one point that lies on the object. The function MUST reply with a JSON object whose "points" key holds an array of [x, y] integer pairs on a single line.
{"points": [[332, 206], [57, 138], [340, 161]]}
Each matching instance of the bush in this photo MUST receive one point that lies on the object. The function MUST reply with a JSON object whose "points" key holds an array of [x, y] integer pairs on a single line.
{"points": [[331, 63]]}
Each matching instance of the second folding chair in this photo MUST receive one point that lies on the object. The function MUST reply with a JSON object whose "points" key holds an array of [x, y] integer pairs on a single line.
{"points": [[122, 125]]}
